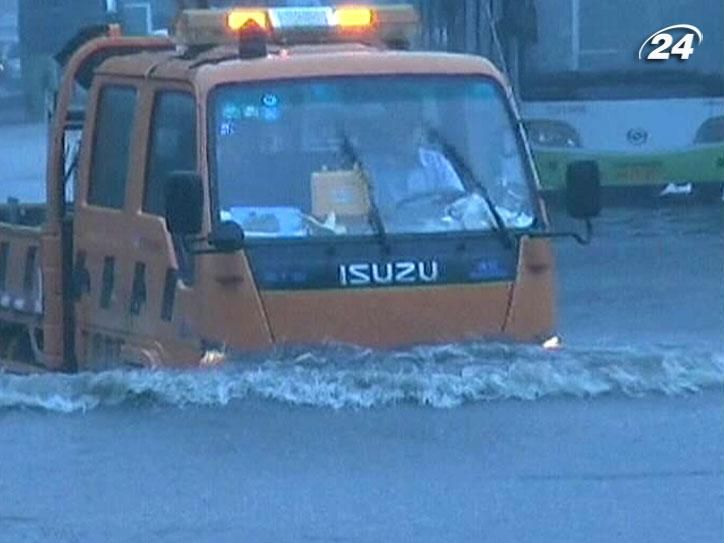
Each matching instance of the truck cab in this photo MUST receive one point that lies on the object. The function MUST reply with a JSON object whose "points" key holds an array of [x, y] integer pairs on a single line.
{"points": [[289, 176]]}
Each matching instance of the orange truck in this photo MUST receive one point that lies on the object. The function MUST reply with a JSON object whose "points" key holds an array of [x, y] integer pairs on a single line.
{"points": [[277, 176]]}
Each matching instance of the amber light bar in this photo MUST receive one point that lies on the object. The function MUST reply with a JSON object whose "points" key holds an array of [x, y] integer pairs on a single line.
{"points": [[298, 25], [238, 18]]}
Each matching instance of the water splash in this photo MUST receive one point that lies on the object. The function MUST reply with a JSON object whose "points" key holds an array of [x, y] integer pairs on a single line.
{"points": [[340, 377]]}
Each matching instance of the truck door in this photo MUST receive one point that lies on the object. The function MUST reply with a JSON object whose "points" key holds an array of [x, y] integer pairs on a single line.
{"points": [[101, 237], [163, 318], [131, 277]]}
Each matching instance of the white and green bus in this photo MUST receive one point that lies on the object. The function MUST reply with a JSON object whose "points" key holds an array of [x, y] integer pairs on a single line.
{"points": [[655, 126]]}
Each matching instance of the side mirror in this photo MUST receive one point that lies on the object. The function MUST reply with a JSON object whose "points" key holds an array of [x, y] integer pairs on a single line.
{"points": [[583, 189], [227, 237], [184, 193]]}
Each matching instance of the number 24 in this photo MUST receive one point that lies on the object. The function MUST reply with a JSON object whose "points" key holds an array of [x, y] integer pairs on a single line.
{"points": [[683, 48]]}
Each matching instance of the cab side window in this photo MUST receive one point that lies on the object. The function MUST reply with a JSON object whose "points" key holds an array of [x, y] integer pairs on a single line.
{"points": [[111, 147], [173, 145]]}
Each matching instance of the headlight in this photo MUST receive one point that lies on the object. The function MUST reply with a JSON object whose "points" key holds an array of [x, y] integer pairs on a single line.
{"points": [[552, 133], [711, 131]]}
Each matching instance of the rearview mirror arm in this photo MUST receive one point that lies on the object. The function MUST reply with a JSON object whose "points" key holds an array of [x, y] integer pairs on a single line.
{"points": [[582, 239], [225, 238], [209, 249]]}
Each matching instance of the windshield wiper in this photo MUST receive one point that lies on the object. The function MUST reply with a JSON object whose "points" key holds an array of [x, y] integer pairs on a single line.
{"points": [[373, 216], [460, 166]]}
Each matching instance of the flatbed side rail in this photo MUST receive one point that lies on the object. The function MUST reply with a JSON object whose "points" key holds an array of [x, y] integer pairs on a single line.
{"points": [[21, 280]]}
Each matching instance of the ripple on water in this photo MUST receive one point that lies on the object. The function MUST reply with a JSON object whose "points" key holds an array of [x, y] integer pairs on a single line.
{"points": [[340, 377]]}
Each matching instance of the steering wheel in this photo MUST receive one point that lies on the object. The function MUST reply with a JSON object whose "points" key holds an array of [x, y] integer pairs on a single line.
{"points": [[444, 196]]}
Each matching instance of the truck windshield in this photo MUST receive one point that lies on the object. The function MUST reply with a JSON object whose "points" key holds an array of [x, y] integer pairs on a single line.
{"points": [[352, 155]]}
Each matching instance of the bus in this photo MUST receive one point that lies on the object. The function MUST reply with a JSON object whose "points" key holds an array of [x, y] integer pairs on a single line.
{"points": [[654, 127]]}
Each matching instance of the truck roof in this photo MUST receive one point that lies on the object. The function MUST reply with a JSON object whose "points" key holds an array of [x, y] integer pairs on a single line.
{"points": [[223, 65]]}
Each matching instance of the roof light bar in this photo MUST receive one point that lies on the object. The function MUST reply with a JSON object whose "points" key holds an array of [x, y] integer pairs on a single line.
{"points": [[236, 19], [301, 19], [356, 17], [299, 25]]}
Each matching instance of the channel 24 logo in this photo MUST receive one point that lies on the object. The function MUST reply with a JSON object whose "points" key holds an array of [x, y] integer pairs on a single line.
{"points": [[660, 45]]}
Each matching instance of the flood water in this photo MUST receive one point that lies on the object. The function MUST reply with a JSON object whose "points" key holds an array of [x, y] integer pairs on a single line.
{"points": [[617, 437]]}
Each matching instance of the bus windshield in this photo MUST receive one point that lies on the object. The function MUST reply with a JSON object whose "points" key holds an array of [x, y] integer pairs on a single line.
{"points": [[356, 155], [575, 57]]}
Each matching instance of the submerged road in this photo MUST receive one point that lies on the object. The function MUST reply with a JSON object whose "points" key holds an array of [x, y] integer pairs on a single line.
{"points": [[602, 470], [611, 467]]}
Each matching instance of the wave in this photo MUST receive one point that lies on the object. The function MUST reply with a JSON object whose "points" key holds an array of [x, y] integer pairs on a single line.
{"points": [[346, 377]]}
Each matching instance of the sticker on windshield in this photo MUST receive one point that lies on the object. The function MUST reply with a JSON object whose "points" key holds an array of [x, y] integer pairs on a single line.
{"points": [[230, 116], [270, 114], [227, 128], [251, 112], [270, 110], [270, 100], [231, 112]]}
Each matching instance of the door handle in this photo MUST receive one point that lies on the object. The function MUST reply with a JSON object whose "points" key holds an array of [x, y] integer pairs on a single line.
{"points": [[81, 278]]}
